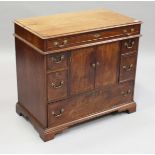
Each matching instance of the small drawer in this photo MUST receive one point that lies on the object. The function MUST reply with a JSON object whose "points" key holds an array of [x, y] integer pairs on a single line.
{"points": [[57, 61], [129, 45], [57, 85], [89, 103], [91, 37], [128, 67]]}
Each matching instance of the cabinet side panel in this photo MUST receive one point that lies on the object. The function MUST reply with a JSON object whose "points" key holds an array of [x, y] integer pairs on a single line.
{"points": [[31, 81]]}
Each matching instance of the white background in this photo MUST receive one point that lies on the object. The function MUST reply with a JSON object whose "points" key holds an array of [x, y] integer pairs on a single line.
{"points": [[119, 133]]}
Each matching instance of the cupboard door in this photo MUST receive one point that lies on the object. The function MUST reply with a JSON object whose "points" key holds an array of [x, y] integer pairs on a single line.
{"points": [[107, 57], [82, 70]]}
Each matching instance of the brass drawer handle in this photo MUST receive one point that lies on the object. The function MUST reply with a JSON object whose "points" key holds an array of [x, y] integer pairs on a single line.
{"points": [[126, 93], [59, 85], [58, 44], [126, 32], [58, 113], [58, 59], [128, 67], [129, 44], [97, 35]]}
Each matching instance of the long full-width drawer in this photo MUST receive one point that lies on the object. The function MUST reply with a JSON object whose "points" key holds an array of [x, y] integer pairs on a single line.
{"points": [[87, 104], [91, 37]]}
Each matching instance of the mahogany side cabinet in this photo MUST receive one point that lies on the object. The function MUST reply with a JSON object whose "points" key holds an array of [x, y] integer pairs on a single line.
{"points": [[74, 67]]}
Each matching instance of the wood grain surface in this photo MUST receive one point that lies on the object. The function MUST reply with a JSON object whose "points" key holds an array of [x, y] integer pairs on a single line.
{"points": [[74, 67], [67, 23]]}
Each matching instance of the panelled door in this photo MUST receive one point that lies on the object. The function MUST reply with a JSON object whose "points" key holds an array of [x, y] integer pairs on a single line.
{"points": [[82, 70], [94, 67], [107, 56]]}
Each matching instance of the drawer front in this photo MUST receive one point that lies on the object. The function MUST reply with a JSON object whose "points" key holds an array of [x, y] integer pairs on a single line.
{"points": [[128, 67], [57, 85], [129, 45], [57, 61], [87, 104], [70, 41]]}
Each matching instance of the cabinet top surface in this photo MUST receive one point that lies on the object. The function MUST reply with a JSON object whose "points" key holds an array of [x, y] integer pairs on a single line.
{"points": [[72, 23]]}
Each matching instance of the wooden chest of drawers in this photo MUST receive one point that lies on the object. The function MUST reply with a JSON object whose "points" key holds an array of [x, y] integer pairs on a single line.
{"points": [[73, 67]]}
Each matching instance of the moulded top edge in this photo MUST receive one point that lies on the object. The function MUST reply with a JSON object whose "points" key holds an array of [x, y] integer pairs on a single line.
{"points": [[58, 25]]}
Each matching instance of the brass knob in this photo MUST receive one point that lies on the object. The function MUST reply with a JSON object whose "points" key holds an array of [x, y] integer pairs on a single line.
{"points": [[56, 43], [58, 113], [59, 85], [65, 41], [132, 29], [93, 65]]}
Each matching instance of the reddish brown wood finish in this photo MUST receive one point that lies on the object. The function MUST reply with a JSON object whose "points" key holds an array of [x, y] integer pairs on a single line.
{"points": [[57, 85], [49, 133], [96, 67], [82, 70], [57, 61], [78, 39], [62, 83], [90, 37], [88, 104], [30, 37], [128, 66], [31, 81], [107, 58], [129, 45]]}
